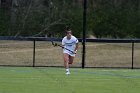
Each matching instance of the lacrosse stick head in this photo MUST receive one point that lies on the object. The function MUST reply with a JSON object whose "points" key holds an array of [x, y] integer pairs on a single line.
{"points": [[54, 44]]}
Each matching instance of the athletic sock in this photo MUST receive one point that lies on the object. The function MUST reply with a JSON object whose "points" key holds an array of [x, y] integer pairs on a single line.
{"points": [[67, 70]]}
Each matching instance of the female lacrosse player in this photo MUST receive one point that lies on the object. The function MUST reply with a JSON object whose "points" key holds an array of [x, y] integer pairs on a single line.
{"points": [[69, 42]]}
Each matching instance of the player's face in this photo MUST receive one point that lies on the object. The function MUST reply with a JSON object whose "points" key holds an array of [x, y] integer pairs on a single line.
{"points": [[68, 35]]}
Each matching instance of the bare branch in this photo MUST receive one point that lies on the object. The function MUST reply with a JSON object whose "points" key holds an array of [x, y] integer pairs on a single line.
{"points": [[46, 28], [24, 19]]}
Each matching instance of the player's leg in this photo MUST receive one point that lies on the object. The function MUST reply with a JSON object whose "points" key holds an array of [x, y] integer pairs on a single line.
{"points": [[66, 60], [71, 58]]}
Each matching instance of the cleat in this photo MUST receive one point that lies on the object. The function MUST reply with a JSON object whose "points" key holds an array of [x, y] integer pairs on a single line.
{"points": [[67, 73]]}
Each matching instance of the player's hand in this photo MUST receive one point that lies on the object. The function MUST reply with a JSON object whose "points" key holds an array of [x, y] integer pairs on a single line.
{"points": [[75, 51]]}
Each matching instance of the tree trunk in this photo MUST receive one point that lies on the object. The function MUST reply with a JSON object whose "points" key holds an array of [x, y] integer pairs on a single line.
{"points": [[13, 15]]}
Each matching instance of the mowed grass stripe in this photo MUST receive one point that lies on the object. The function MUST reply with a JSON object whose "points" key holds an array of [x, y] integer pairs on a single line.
{"points": [[54, 80]]}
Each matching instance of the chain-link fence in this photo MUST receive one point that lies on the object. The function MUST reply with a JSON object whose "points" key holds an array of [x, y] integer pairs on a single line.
{"points": [[103, 53]]}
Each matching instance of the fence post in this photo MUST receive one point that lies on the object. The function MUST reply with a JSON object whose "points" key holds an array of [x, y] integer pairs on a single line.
{"points": [[33, 53], [84, 32], [132, 54]]}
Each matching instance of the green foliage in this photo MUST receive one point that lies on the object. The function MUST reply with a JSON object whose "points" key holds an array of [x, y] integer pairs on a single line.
{"points": [[4, 22], [105, 18], [41, 18], [112, 19]]}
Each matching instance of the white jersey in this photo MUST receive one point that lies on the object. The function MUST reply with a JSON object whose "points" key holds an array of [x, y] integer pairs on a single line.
{"points": [[69, 44]]}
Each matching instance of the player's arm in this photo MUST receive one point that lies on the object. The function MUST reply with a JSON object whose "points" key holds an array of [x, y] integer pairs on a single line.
{"points": [[63, 43], [76, 46]]}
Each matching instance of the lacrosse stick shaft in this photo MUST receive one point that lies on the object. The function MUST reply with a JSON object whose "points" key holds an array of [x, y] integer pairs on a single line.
{"points": [[55, 44], [67, 49]]}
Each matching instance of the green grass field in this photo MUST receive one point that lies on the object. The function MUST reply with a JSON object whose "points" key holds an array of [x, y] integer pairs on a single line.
{"points": [[54, 80]]}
